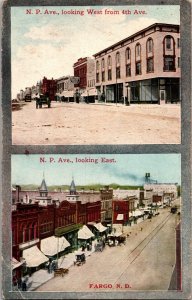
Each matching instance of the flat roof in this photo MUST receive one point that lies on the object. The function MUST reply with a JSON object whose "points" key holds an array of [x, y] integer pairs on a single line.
{"points": [[135, 34]]}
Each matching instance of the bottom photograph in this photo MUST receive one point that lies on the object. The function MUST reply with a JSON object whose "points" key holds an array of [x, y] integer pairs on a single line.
{"points": [[94, 223]]}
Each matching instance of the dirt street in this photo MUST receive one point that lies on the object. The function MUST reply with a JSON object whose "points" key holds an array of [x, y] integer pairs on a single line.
{"points": [[93, 124]]}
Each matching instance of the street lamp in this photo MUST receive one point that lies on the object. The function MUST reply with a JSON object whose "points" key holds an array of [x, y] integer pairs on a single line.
{"points": [[127, 103]]}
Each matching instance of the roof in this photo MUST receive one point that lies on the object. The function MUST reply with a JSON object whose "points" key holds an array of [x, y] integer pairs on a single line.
{"points": [[43, 186], [134, 35], [72, 186]]}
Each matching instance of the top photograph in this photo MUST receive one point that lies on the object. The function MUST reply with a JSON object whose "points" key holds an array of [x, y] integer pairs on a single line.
{"points": [[95, 75]]}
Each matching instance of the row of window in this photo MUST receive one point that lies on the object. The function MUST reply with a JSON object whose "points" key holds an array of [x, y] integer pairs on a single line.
{"points": [[169, 65], [169, 44]]}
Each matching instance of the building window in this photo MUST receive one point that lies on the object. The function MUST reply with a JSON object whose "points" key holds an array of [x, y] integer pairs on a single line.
{"points": [[128, 54], [117, 58], [178, 43], [102, 63], [128, 70], [103, 76], [169, 63], [109, 61], [138, 68], [178, 62], [149, 45], [97, 65], [150, 65], [97, 77], [118, 72], [138, 50], [168, 43], [109, 75]]}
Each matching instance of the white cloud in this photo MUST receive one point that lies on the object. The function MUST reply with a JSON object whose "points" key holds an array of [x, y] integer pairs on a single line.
{"points": [[43, 56]]}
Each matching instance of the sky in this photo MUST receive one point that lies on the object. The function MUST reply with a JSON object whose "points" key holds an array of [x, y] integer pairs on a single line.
{"points": [[49, 44], [124, 169]]}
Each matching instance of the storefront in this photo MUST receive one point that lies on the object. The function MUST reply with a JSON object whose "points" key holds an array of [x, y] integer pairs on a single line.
{"points": [[71, 235], [85, 236], [34, 260], [155, 90]]}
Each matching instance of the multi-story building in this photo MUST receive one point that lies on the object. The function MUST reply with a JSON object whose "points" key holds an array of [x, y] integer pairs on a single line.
{"points": [[106, 194], [162, 189], [49, 87], [84, 68], [144, 67], [120, 211], [66, 87]]}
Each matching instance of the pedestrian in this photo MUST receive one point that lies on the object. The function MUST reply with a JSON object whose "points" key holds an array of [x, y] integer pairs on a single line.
{"points": [[24, 286], [141, 228], [19, 283]]}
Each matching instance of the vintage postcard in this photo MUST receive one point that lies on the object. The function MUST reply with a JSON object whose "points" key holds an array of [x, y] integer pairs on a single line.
{"points": [[96, 150], [96, 223], [124, 61]]}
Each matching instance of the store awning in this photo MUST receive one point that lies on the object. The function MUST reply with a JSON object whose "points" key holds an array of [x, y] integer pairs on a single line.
{"points": [[85, 233], [115, 234], [67, 94], [66, 229], [138, 213], [93, 92], [120, 217], [15, 263], [100, 227], [84, 94], [53, 245], [34, 257]]}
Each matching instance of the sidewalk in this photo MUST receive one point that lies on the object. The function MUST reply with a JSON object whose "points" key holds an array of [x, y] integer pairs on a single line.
{"points": [[40, 277]]}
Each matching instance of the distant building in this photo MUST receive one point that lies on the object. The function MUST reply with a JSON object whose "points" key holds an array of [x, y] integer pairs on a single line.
{"points": [[162, 188], [120, 211], [106, 194], [49, 87], [144, 67], [84, 68]]}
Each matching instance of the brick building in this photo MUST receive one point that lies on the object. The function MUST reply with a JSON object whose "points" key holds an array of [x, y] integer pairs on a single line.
{"points": [[84, 68], [120, 211], [49, 87], [144, 67]]}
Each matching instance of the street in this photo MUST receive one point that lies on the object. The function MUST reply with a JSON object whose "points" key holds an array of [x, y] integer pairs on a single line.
{"points": [[96, 124], [145, 262]]}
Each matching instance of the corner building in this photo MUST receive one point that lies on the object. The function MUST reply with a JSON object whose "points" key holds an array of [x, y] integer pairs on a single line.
{"points": [[142, 68]]}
